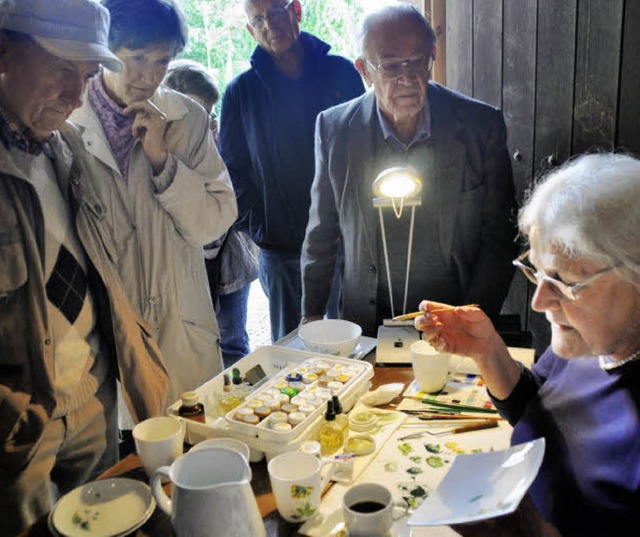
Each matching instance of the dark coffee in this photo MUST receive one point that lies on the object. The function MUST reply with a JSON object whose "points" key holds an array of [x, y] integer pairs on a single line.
{"points": [[367, 507]]}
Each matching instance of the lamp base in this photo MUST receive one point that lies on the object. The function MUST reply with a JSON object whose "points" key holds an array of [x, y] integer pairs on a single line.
{"points": [[394, 342]]}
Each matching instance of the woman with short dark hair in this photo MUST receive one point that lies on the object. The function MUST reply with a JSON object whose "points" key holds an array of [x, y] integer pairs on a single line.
{"points": [[164, 187]]}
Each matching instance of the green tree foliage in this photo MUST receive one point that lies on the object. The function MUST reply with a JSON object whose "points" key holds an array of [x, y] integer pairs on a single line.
{"points": [[218, 37]]}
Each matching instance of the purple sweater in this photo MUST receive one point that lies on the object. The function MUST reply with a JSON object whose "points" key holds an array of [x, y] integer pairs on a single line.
{"points": [[589, 481]]}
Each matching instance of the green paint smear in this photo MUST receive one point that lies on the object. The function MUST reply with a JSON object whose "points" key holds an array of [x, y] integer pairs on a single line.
{"points": [[414, 470], [390, 467], [435, 462], [405, 448], [432, 448]]}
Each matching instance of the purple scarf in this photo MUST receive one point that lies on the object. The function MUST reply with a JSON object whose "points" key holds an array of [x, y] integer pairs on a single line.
{"points": [[116, 124]]}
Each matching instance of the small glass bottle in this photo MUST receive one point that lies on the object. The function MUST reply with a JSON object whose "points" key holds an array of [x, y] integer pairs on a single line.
{"points": [[191, 408], [341, 418], [240, 388], [227, 399], [331, 438]]}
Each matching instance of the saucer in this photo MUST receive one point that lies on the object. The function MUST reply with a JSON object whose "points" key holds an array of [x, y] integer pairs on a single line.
{"points": [[481, 485], [105, 508]]}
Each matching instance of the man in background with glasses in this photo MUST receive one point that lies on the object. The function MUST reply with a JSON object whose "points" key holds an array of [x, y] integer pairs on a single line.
{"points": [[266, 140], [465, 226]]}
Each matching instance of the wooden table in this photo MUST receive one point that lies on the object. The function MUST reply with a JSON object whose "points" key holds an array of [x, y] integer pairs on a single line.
{"points": [[159, 524]]}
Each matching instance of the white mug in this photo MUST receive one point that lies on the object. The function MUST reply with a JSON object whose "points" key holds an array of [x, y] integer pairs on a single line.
{"points": [[368, 510], [297, 484], [432, 369], [159, 441]]}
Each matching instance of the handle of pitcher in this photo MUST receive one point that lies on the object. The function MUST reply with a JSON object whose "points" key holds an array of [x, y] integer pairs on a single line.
{"points": [[158, 492]]}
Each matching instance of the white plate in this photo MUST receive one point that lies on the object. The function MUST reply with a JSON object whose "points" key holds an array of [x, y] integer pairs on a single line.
{"points": [[105, 508], [481, 485]]}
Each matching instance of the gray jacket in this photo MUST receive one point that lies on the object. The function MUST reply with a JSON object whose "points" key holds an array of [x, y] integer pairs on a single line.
{"points": [[27, 394], [160, 232], [476, 217]]}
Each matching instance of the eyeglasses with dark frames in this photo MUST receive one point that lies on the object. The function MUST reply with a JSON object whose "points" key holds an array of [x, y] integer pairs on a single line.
{"points": [[537, 277], [276, 14], [414, 66]]}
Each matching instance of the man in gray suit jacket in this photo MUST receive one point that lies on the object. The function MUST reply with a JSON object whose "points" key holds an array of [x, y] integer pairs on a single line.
{"points": [[465, 227]]}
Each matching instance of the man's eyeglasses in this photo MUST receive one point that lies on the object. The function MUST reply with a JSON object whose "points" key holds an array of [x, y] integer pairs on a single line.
{"points": [[277, 14], [416, 66], [537, 277]]}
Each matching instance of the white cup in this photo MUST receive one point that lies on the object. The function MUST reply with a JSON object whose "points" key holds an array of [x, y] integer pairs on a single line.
{"points": [[368, 510], [159, 441], [226, 443], [297, 484], [432, 369]]}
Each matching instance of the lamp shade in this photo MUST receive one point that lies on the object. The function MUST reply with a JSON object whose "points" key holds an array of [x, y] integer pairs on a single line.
{"points": [[397, 183]]}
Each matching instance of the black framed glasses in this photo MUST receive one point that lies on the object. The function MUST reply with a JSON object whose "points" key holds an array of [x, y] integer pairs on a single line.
{"points": [[414, 66], [537, 277], [274, 15]]}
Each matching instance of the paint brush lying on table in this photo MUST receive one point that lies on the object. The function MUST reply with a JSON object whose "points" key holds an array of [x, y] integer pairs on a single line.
{"points": [[415, 314], [428, 416], [484, 424]]}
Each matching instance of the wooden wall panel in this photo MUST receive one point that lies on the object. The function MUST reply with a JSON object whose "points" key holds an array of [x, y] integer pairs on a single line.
{"points": [[597, 73], [438, 15], [555, 73], [518, 89], [518, 105], [580, 91], [628, 135], [487, 51], [459, 35]]}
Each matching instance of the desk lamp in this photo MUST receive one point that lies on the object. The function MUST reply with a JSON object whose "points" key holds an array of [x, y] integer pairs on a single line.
{"points": [[396, 188]]}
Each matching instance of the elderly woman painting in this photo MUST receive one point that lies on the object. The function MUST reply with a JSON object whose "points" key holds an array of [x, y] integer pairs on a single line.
{"points": [[583, 394], [164, 189]]}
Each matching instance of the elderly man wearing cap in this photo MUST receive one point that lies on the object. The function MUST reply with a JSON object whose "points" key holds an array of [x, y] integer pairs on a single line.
{"points": [[66, 328]]}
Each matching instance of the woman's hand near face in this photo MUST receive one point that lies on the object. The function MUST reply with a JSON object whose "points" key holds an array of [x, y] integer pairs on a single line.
{"points": [[467, 331], [149, 126]]}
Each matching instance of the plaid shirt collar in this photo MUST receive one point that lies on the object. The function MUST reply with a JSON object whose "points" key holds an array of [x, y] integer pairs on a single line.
{"points": [[23, 140]]}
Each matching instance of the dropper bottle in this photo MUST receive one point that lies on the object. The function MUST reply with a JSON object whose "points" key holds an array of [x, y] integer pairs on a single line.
{"points": [[239, 388], [341, 418], [227, 399], [331, 438]]}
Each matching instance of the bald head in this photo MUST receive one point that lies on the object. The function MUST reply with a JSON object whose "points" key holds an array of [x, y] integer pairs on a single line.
{"points": [[394, 17]]}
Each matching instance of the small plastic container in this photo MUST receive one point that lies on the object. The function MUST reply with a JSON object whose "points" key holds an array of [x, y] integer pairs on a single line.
{"points": [[244, 411], [282, 427], [251, 419], [312, 447], [296, 417], [362, 421], [262, 412], [278, 417], [289, 408], [360, 444]]}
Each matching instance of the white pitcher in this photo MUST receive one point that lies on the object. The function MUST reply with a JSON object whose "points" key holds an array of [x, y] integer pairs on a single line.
{"points": [[211, 495]]}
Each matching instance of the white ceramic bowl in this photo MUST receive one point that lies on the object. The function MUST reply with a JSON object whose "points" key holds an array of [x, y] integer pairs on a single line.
{"points": [[330, 336]]}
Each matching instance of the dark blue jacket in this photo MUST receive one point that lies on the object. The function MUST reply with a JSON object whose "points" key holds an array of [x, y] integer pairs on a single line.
{"points": [[267, 139]]}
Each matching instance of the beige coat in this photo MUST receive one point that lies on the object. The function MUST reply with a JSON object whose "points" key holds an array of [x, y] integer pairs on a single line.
{"points": [[160, 231], [27, 392]]}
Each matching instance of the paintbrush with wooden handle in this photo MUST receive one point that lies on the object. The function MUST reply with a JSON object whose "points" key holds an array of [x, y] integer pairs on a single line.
{"points": [[415, 314]]}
